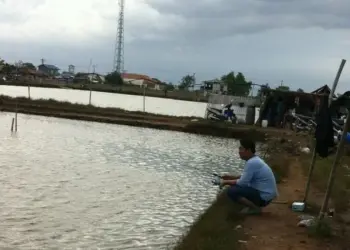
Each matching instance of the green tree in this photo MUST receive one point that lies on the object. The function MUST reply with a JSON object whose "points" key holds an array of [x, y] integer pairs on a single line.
{"points": [[169, 86], [187, 81], [300, 90], [237, 84], [29, 65], [114, 78], [6, 68], [2, 64], [283, 88]]}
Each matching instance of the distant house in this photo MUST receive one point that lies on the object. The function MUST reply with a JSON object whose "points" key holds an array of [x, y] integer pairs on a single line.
{"points": [[66, 76], [26, 74], [48, 69], [141, 80], [215, 87], [89, 78]]}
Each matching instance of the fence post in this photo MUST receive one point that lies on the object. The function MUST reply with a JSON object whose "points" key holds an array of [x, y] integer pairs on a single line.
{"points": [[144, 98]]}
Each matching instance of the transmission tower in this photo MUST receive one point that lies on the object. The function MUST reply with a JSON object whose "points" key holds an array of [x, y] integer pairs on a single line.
{"points": [[118, 64]]}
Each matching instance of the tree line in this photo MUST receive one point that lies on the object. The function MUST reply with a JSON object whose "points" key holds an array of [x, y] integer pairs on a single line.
{"points": [[237, 84]]}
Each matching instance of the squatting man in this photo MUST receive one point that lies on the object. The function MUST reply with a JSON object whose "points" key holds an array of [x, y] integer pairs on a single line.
{"points": [[256, 187]]}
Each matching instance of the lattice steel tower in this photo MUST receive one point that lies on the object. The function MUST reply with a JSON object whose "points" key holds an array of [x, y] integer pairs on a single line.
{"points": [[118, 64]]}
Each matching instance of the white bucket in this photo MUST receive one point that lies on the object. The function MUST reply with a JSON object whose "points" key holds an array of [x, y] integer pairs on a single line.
{"points": [[264, 123]]}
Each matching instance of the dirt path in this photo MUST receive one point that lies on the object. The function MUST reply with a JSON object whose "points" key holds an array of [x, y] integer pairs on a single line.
{"points": [[277, 227]]}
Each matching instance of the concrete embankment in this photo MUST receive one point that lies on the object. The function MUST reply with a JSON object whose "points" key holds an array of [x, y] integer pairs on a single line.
{"points": [[131, 118]]}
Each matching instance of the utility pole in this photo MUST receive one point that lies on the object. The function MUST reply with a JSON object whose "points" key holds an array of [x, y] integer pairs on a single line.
{"points": [[90, 64], [194, 81]]}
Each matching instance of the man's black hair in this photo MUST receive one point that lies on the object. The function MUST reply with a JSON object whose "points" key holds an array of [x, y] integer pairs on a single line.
{"points": [[248, 144]]}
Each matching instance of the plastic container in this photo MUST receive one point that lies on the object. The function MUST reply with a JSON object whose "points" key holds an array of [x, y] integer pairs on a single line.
{"points": [[298, 206], [264, 123]]}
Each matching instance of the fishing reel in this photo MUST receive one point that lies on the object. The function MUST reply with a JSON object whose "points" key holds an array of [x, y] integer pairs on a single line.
{"points": [[216, 181]]}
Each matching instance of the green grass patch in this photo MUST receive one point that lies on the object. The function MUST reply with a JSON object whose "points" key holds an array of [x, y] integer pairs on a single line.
{"points": [[340, 195]]}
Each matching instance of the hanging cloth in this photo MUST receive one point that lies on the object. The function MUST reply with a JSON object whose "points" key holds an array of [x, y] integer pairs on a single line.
{"points": [[324, 129]]}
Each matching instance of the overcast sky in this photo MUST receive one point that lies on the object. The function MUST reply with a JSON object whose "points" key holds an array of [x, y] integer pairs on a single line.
{"points": [[300, 42]]}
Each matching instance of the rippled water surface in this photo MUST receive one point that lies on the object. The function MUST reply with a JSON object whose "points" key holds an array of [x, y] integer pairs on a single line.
{"points": [[69, 184]]}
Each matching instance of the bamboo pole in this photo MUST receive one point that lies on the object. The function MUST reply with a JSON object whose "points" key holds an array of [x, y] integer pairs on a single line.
{"points": [[336, 80], [313, 160], [90, 97]]}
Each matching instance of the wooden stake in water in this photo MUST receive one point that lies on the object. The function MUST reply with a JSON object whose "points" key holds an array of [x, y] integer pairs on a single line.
{"points": [[90, 98], [12, 124], [28, 92], [312, 166], [16, 119], [334, 167]]}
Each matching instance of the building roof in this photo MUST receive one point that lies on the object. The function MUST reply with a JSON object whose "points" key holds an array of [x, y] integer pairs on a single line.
{"points": [[49, 66], [137, 77], [323, 89]]}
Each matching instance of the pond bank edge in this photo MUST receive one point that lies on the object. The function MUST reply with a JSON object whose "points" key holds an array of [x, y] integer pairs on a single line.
{"points": [[90, 113]]}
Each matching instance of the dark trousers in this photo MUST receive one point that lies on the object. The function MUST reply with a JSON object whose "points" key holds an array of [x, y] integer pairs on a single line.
{"points": [[236, 192]]}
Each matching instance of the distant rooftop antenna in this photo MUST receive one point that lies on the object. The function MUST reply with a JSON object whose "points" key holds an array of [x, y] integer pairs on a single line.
{"points": [[118, 63]]}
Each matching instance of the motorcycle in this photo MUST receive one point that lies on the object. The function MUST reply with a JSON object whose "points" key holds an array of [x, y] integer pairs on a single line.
{"points": [[226, 113]]}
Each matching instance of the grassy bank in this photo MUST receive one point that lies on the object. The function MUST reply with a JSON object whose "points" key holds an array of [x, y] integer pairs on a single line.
{"points": [[340, 196], [219, 228], [132, 118], [183, 95]]}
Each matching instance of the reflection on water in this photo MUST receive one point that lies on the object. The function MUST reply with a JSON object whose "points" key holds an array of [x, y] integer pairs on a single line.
{"points": [[69, 184]]}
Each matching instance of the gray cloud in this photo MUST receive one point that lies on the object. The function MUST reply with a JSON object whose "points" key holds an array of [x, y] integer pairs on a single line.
{"points": [[300, 42], [223, 18]]}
